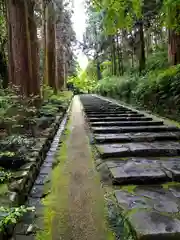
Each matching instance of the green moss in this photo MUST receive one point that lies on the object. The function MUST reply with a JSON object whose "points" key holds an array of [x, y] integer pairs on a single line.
{"points": [[59, 195], [170, 184], [7, 153], [129, 188], [123, 228], [3, 189]]}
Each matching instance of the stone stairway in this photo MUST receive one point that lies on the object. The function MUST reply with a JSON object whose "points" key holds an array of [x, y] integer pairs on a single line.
{"points": [[145, 153]]}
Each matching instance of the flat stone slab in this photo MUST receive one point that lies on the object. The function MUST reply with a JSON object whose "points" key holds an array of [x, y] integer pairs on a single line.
{"points": [[136, 137], [144, 149], [144, 170], [131, 172], [134, 129], [127, 123], [118, 119], [106, 110], [103, 114], [152, 212]]}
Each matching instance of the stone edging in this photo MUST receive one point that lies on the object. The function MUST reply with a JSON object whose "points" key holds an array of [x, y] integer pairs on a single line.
{"points": [[26, 176]]}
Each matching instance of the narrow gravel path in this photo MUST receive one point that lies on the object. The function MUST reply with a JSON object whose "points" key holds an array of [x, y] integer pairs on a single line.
{"points": [[82, 215]]}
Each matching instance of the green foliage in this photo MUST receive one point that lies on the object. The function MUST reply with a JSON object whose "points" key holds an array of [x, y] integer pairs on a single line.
{"points": [[157, 60], [11, 216], [16, 111], [171, 14], [53, 103], [19, 114], [157, 91], [5, 176], [86, 80]]}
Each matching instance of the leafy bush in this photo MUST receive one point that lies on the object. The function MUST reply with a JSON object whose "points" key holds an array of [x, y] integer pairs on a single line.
{"points": [[157, 60], [19, 114], [158, 91]]}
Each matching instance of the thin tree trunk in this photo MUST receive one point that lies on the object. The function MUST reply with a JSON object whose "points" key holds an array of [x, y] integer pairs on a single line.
{"points": [[11, 76], [118, 56], [51, 47], [99, 76], [61, 66], [114, 57], [3, 67], [132, 59], [34, 51], [142, 58]]}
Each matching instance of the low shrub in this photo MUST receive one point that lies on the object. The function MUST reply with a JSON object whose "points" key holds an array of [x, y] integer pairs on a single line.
{"points": [[157, 90]]}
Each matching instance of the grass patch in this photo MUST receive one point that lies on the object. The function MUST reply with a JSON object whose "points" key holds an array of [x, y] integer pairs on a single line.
{"points": [[59, 194]]}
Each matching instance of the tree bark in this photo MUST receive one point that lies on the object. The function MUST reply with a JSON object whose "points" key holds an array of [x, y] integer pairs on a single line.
{"points": [[99, 76], [142, 57], [174, 48], [19, 70], [114, 57], [34, 85], [51, 48], [61, 66], [23, 62], [3, 66]]}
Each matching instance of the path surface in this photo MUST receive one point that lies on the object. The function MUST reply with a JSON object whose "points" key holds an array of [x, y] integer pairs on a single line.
{"points": [[83, 212]]}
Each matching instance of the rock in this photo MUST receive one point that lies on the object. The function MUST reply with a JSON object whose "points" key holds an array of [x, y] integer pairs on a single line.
{"points": [[133, 129], [152, 211], [139, 149], [133, 172]]}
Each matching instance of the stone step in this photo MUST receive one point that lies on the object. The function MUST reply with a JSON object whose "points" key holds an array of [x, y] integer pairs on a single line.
{"points": [[140, 149], [148, 157], [111, 114], [152, 213], [122, 117], [134, 129], [107, 112], [144, 170], [99, 108], [128, 123], [136, 137]]}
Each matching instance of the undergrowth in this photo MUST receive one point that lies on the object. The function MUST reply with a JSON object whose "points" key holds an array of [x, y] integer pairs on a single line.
{"points": [[158, 90]]}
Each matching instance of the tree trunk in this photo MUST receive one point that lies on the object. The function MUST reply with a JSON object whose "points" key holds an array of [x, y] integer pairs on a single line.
{"points": [[174, 48], [34, 85], [61, 66], [51, 47], [19, 58], [22, 46], [3, 68], [99, 76], [132, 59], [142, 58], [120, 58], [114, 57]]}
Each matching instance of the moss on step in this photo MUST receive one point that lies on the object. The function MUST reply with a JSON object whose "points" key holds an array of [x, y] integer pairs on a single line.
{"points": [[168, 185], [129, 188]]}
